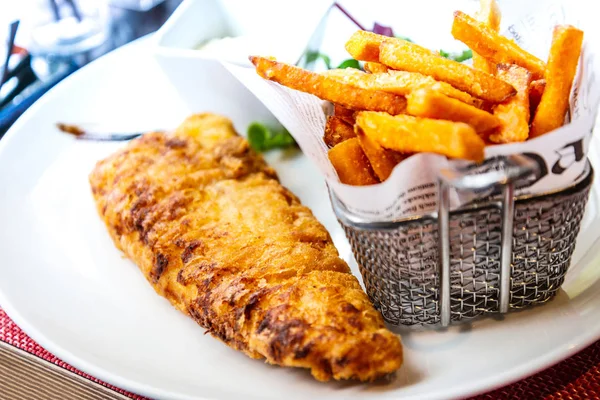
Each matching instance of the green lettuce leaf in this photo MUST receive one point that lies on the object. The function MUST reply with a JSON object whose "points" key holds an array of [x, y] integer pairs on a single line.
{"points": [[262, 138]]}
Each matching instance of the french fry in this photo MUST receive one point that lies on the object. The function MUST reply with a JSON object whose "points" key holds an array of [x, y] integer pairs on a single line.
{"points": [[562, 66], [375, 67], [407, 134], [514, 113], [536, 90], [351, 164], [328, 88], [346, 114], [431, 104], [401, 55], [399, 82], [442, 87], [490, 15], [365, 46], [494, 47], [337, 131], [382, 160]]}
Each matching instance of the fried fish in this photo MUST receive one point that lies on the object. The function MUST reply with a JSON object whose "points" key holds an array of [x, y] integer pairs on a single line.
{"points": [[212, 229]]}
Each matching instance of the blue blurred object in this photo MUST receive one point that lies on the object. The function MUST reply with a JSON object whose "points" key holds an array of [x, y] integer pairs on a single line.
{"points": [[11, 112]]}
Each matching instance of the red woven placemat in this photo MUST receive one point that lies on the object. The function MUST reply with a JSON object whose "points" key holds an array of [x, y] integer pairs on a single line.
{"points": [[575, 378]]}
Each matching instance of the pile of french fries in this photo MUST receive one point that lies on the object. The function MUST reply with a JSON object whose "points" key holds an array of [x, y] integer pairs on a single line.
{"points": [[411, 100]]}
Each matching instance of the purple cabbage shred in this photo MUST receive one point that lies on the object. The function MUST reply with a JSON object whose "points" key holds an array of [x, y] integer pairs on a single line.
{"points": [[383, 30]]}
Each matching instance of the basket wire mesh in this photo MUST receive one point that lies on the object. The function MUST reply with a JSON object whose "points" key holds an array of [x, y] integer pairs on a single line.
{"points": [[491, 256]]}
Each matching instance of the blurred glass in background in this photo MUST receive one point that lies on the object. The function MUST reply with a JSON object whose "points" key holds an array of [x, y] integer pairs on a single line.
{"points": [[138, 5], [64, 27], [53, 38]]}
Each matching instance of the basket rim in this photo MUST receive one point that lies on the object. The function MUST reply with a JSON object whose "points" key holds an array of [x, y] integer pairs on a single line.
{"points": [[347, 218]]}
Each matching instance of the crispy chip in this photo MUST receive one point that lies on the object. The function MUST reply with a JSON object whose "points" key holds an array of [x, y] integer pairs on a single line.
{"points": [[490, 15], [562, 66], [494, 47], [536, 90], [514, 113], [337, 131], [382, 160], [399, 54], [346, 114], [351, 164], [407, 134], [399, 82], [328, 88], [365, 46], [375, 67], [431, 104], [442, 87]]}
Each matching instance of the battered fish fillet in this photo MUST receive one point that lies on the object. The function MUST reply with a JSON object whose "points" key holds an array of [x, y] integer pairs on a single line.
{"points": [[213, 231]]}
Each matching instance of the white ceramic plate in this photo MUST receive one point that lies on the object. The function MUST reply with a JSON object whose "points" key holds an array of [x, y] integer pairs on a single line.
{"points": [[65, 284]]}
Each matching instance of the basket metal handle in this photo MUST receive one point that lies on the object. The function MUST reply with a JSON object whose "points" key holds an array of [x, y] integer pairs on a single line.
{"points": [[516, 167]]}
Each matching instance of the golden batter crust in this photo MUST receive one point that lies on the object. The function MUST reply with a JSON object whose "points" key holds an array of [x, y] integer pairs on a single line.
{"points": [[212, 229]]}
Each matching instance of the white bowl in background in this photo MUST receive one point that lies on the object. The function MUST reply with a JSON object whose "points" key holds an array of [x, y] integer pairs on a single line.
{"points": [[249, 28]]}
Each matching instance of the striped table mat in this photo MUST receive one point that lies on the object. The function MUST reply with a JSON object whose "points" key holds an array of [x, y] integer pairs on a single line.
{"points": [[575, 378]]}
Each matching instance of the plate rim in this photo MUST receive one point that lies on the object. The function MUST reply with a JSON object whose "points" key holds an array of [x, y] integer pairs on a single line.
{"points": [[480, 386]]}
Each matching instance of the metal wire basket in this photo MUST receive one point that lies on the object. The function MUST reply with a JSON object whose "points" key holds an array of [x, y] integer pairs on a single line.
{"points": [[490, 256]]}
